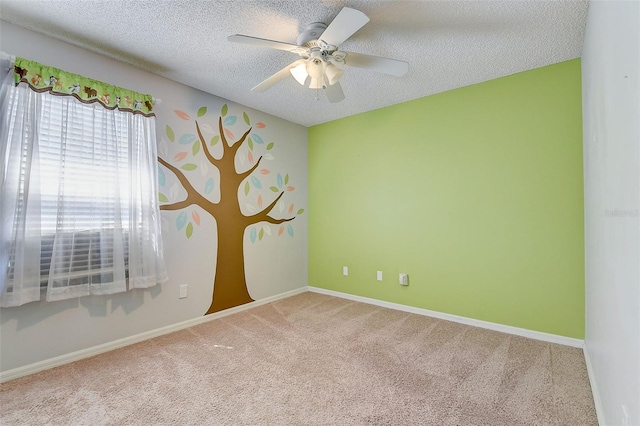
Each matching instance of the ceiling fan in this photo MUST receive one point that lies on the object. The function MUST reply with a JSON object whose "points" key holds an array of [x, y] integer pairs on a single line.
{"points": [[320, 63]]}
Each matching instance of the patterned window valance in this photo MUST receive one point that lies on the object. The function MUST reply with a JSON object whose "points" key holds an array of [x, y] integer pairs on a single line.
{"points": [[43, 78]]}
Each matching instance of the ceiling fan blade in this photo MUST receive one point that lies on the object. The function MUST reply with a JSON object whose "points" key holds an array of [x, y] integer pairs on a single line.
{"points": [[334, 93], [344, 26], [261, 42], [376, 63], [277, 77]]}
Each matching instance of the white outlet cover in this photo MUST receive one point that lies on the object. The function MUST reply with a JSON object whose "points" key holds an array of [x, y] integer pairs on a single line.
{"points": [[345, 270], [379, 275], [403, 279]]}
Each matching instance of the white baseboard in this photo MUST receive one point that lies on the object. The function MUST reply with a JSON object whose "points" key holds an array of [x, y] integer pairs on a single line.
{"points": [[597, 401], [537, 335], [95, 350]]}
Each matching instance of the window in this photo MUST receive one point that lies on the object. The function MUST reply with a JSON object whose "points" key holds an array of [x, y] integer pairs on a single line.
{"points": [[79, 208]]}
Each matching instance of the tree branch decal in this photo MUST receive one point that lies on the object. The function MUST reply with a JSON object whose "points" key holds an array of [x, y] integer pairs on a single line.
{"points": [[230, 287], [264, 214], [193, 196], [206, 151], [252, 169]]}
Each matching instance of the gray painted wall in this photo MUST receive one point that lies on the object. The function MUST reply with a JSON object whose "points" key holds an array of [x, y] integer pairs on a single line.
{"points": [[40, 331]]}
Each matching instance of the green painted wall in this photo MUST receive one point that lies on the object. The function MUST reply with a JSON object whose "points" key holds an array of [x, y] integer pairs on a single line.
{"points": [[476, 193]]}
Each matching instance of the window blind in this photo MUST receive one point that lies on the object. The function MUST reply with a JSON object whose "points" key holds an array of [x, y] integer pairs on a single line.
{"points": [[79, 162], [78, 168]]}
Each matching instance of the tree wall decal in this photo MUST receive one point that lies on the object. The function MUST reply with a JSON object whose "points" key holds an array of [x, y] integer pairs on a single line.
{"points": [[230, 287]]}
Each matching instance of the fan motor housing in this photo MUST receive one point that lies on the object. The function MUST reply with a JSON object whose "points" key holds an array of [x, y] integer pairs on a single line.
{"points": [[309, 37]]}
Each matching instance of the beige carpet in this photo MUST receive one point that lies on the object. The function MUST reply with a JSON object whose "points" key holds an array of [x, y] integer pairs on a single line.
{"points": [[314, 360]]}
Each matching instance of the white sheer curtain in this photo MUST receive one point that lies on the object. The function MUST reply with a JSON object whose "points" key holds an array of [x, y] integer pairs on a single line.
{"points": [[79, 210]]}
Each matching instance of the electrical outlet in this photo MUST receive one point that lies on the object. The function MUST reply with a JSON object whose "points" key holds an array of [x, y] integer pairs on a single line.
{"points": [[625, 415], [379, 275], [183, 291], [403, 279], [345, 270]]}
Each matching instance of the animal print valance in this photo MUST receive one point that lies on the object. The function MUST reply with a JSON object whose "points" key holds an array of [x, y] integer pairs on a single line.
{"points": [[43, 78]]}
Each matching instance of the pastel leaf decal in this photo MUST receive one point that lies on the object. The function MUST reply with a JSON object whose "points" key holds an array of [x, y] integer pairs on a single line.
{"points": [[290, 230], [281, 230], [246, 118], [267, 230], [247, 187], [280, 206], [260, 125], [250, 157], [202, 111], [270, 146], [264, 172], [182, 114], [250, 208], [196, 217], [170, 133], [214, 140], [189, 166], [195, 148], [163, 148], [300, 211], [163, 198], [279, 180], [257, 139], [259, 200], [286, 179], [186, 139], [180, 156], [229, 134], [252, 235], [290, 188], [181, 220], [208, 186], [291, 208], [230, 121], [261, 234], [204, 169], [207, 128], [225, 108], [256, 182], [189, 230], [173, 191], [274, 188], [268, 156], [250, 143], [161, 178]]}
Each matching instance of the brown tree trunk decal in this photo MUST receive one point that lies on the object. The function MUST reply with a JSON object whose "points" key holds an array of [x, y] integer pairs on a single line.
{"points": [[230, 287]]}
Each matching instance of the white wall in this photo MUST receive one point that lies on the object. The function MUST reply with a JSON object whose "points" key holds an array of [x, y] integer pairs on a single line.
{"points": [[40, 331], [611, 112]]}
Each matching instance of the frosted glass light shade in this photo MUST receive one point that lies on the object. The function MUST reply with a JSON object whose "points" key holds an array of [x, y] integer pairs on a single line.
{"points": [[300, 73], [315, 68], [316, 83], [333, 74]]}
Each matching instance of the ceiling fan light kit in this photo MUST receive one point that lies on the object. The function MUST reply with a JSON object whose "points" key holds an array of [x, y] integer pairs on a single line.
{"points": [[300, 73], [321, 62]]}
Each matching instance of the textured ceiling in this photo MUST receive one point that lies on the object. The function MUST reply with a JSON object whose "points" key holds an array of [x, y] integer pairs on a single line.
{"points": [[448, 44]]}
